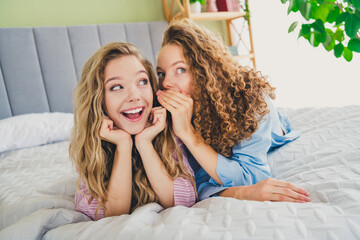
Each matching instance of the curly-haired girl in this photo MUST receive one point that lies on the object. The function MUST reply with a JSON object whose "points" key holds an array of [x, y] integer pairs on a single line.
{"points": [[223, 114], [124, 151]]}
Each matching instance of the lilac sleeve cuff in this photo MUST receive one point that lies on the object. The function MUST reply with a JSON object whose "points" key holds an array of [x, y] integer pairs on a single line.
{"points": [[83, 205], [184, 193]]}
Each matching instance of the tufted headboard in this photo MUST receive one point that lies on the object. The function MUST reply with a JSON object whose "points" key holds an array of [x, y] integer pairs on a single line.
{"points": [[39, 66]]}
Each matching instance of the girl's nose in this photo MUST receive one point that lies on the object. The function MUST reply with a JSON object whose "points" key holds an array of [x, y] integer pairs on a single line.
{"points": [[167, 84], [133, 94]]}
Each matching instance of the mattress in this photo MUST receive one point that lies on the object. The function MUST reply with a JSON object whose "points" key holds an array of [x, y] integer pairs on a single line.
{"points": [[37, 187]]}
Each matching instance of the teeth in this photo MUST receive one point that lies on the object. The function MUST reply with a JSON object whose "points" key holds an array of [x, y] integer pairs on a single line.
{"points": [[133, 111]]}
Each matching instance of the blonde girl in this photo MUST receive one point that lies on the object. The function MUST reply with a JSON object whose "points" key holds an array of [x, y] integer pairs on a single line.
{"points": [[223, 113], [123, 149]]}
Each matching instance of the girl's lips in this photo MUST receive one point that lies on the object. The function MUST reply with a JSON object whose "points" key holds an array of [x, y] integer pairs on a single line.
{"points": [[134, 114]]}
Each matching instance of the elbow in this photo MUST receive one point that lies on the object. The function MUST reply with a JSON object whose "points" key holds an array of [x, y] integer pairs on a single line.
{"points": [[168, 204], [218, 180], [116, 212]]}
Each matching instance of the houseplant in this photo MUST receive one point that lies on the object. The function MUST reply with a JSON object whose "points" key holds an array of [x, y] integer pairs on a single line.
{"points": [[333, 23], [195, 5]]}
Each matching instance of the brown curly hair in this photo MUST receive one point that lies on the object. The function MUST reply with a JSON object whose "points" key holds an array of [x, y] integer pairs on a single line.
{"points": [[229, 99]]}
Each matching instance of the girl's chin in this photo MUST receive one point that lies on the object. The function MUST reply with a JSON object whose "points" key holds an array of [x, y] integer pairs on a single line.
{"points": [[133, 130]]}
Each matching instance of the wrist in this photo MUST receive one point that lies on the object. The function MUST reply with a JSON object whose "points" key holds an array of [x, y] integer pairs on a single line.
{"points": [[238, 192], [142, 146], [124, 145], [189, 139]]}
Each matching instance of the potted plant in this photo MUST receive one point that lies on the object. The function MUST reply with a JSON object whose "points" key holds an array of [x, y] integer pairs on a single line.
{"points": [[333, 23], [195, 5]]}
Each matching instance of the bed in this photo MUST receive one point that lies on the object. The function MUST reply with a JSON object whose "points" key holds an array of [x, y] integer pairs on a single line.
{"points": [[39, 68]]}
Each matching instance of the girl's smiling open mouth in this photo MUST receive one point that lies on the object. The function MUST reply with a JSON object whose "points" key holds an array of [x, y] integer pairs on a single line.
{"points": [[133, 114]]}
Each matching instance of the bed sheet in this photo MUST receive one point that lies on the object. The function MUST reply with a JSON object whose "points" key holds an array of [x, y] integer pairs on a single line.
{"points": [[37, 187]]}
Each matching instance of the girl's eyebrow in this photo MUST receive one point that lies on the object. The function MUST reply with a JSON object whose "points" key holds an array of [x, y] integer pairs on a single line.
{"points": [[112, 79], [173, 64], [120, 78]]}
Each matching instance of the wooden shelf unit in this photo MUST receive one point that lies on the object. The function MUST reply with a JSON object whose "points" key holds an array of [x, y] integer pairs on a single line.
{"points": [[184, 12]]}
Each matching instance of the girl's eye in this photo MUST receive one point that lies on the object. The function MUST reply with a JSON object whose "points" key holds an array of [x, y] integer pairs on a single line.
{"points": [[116, 87], [161, 74], [180, 70], [143, 82]]}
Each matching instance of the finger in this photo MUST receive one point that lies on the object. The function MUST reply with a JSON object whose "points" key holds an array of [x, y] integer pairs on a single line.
{"points": [[177, 96], [157, 108], [106, 124], [282, 198], [289, 193], [105, 117], [185, 94], [158, 116], [166, 105], [171, 99], [284, 184]]}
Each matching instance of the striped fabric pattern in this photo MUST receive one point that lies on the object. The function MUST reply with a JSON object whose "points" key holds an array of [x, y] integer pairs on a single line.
{"points": [[184, 195]]}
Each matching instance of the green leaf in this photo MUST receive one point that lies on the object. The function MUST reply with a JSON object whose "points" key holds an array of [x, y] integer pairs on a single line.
{"points": [[334, 13], [305, 28], [354, 45], [318, 26], [356, 4], [314, 7], [313, 40], [292, 27], [341, 18], [348, 54], [352, 25], [320, 37], [322, 12], [338, 50], [305, 31], [320, 1], [305, 8], [339, 35], [283, 1], [292, 6], [329, 44]]}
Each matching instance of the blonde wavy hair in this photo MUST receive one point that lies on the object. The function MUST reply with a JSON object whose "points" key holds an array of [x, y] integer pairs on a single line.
{"points": [[229, 99], [93, 157]]}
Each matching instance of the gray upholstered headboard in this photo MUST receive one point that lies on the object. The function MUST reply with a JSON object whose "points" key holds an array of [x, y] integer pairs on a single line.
{"points": [[39, 66]]}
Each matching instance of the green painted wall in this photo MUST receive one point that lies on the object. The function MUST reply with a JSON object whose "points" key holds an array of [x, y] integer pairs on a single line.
{"points": [[20, 13], [75, 12]]}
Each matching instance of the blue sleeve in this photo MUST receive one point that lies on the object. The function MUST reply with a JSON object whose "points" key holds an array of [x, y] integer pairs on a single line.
{"points": [[247, 165]]}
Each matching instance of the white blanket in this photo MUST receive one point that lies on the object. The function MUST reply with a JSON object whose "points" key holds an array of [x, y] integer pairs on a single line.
{"points": [[37, 187]]}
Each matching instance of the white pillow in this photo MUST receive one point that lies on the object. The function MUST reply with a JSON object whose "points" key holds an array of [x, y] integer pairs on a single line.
{"points": [[29, 130]]}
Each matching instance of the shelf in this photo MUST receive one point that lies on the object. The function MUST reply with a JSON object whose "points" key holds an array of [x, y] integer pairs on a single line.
{"points": [[251, 56], [183, 11], [215, 16]]}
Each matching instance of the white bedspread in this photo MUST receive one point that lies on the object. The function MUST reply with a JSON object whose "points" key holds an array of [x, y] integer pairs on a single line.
{"points": [[37, 187]]}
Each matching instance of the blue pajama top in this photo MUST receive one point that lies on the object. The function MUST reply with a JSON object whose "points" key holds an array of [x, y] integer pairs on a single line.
{"points": [[248, 163]]}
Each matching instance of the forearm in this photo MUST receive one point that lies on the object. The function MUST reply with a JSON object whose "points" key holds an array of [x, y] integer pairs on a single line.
{"points": [[239, 192], [158, 175], [120, 184], [204, 154]]}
